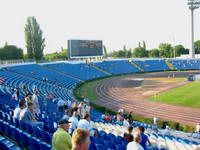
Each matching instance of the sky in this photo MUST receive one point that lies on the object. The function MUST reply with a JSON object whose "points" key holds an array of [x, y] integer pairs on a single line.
{"points": [[116, 22]]}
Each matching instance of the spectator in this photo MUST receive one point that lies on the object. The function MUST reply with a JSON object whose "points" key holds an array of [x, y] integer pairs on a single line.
{"points": [[126, 123], [121, 111], [106, 117], [198, 128], [74, 122], [135, 144], [61, 139], [67, 114], [119, 119], [15, 95], [166, 131], [60, 104], [80, 139], [84, 123], [28, 98], [130, 117], [155, 120], [74, 107], [81, 110], [129, 136], [36, 106], [28, 116], [144, 139], [18, 110], [34, 87]]}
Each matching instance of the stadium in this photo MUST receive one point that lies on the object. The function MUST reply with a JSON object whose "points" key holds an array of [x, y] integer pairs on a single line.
{"points": [[144, 86], [99, 75]]}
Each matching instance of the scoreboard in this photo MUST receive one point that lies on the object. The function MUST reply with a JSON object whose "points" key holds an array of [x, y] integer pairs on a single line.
{"points": [[85, 48]]}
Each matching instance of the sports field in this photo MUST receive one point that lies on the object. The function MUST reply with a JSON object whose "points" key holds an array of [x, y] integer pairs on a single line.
{"points": [[187, 95]]}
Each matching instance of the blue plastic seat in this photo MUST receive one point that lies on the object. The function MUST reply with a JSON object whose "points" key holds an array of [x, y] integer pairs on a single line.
{"points": [[36, 132], [98, 140], [16, 134], [101, 147], [22, 125], [92, 146], [34, 143], [44, 146], [110, 145], [121, 147], [24, 139], [106, 138]]}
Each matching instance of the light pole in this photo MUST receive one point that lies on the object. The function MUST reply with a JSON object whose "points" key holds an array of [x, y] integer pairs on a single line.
{"points": [[193, 4]]}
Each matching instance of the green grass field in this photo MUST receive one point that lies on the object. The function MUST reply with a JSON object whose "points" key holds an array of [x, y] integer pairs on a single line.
{"points": [[187, 95]]}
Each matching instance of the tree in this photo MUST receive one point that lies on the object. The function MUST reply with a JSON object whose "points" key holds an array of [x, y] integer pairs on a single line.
{"points": [[140, 52], [154, 53], [129, 53], [197, 47], [10, 52], [57, 55], [166, 50], [144, 45], [34, 40], [179, 49], [105, 51]]}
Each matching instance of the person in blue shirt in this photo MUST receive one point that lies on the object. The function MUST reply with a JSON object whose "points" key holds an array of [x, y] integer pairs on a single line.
{"points": [[144, 138]]}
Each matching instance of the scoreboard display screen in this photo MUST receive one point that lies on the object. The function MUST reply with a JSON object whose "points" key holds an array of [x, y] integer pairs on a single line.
{"points": [[85, 48]]}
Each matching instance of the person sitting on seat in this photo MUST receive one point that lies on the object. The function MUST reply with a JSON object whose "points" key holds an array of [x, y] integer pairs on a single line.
{"points": [[27, 116], [18, 110], [129, 136]]}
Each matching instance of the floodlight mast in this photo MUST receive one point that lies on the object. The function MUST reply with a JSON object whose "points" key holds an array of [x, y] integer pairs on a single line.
{"points": [[193, 4]]}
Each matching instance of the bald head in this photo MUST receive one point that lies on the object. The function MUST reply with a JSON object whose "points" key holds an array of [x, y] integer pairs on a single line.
{"points": [[137, 137]]}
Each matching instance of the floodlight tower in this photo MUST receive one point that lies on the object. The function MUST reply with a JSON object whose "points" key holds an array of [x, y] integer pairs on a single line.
{"points": [[193, 4]]}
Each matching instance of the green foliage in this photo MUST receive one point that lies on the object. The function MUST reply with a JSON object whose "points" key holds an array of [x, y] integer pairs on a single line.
{"points": [[154, 53], [179, 49], [10, 52], [34, 40], [105, 51], [166, 50], [197, 47], [57, 55], [140, 52]]}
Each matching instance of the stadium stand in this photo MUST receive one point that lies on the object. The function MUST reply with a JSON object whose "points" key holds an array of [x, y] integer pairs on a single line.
{"points": [[185, 64], [117, 66], [152, 65], [44, 74], [79, 70], [16, 134]]}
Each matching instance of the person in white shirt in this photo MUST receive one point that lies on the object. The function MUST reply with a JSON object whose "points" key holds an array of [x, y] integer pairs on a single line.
{"points": [[155, 120], [19, 109], [74, 122], [36, 106], [166, 131], [84, 123], [67, 114], [81, 110], [135, 144], [126, 123], [198, 128], [61, 104]]}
